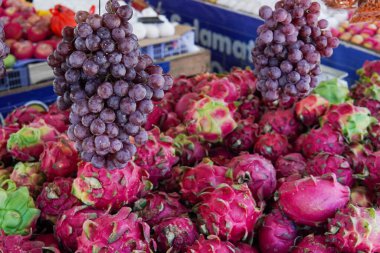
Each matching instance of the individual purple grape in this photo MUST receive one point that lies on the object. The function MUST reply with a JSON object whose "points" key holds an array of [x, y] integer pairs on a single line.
{"points": [[111, 21], [295, 55], [288, 29], [333, 42], [156, 81], [323, 24], [77, 58], [115, 57], [293, 77], [158, 95], [130, 75], [146, 106], [108, 45], [88, 144], [97, 127], [121, 118], [274, 73], [112, 130], [286, 66], [267, 36], [116, 145], [314, 7], [137, 118], [137, 92], [303, 86], [103, 33], [265, 12], [118, 70], [105, 90], [95, 104], [127, 105], [87, 119], [93, 42], [279, 37], [80, 108], [123, 156], [90, 68], [114, 102], [279, 15], [271, 84], [81, 132], [107, 115], [303, 67], [131, 129], [112, 6], [273, 62], [125, 12], [118, 33], [84, 30], [121, 88], [127, 45], [98, 161], [72, 75], [142, 137]]}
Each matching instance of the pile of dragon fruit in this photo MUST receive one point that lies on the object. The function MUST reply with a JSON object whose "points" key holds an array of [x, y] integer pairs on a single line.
{"points": [[220, 172]]}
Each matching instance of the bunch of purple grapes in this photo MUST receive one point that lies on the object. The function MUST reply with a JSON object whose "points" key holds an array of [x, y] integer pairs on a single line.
{"points": [[289, 48], [4, 50], [108, 84]]}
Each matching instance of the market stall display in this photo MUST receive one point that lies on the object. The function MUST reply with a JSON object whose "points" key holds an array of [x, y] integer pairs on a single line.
{"points": [[131, 159]]}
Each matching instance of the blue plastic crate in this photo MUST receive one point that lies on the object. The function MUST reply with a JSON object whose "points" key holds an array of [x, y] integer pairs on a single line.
{"points": [[15, 78]]}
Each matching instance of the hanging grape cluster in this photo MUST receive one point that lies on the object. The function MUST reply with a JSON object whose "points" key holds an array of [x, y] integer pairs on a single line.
{"points": [[289, 48], [108, 84], [4, 49]]}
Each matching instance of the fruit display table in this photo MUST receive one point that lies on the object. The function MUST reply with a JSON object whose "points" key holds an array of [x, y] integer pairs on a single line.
{"points": [[230, 36]]}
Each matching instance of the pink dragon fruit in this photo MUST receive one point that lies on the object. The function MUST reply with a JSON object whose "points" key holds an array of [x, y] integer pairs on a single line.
{"points": [[369, 68], [48, 239], [374, 135], [220, 155], [372, 105], [229, 212], [204, 176], [23, 116], [356, 155], [23, 244], [324, 139], [272, 146], [5, 133], [312, 200], [325, 163], [315, 244], [244, 80], [211, 119], [181, 85], [55, 198], [280, 121], [372, 165], [243, 137], [310, 109], [59, 159], [105, 189], [185, 103], [159, 114], [277, 234], [121, 232], [360, 196], [250, 108], [355, 229], [257, 172], [27, 143], [245, 248], [157, 156], [293, 163], [189, 149], [352, 121], [58, 121], [222, 89], [175, 131], [29, 175], [69, 225], [170, 121], [157, 206], [175, 234], [211, 245], [203, 80]]}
